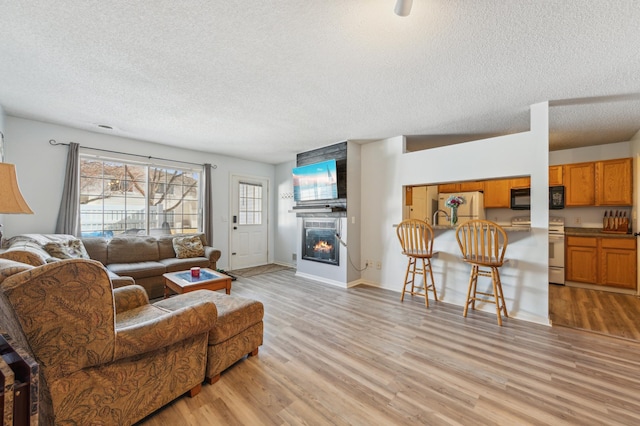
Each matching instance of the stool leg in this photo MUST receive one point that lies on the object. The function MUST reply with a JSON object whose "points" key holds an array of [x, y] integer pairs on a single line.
{"points": [[476, 273], [414, 262], [433, 283], [466, 304], [406, 277], [499, 286], [426, 287], [496, 295]]}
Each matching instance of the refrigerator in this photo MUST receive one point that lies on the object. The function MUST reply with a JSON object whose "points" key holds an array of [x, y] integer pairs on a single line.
{"points": [[473, 208]]}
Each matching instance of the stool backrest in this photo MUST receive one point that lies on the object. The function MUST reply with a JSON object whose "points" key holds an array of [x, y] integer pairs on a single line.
{"points": [[416, 237], [482, 242]]}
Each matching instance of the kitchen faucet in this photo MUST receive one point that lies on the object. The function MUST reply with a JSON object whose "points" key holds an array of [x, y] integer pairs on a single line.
{"points": [[435, 215]]}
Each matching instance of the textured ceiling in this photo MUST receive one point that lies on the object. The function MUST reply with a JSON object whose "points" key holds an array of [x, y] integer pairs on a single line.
{"points": [[264, 80]]}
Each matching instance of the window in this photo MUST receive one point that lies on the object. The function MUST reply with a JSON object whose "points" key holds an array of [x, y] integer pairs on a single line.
{"points": [[126, 198], [250, 204]]}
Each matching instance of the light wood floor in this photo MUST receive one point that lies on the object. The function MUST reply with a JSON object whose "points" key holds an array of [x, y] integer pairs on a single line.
{"points": [[598, 311], [333, 356]]}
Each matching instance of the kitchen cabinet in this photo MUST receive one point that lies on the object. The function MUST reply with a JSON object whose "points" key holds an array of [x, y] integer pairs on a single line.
{"points": [[475, 185], [497, 193], [579, 184], [618, 262], [580, 262], [523, 182], [555, 175], [603, 261], [449, 187], [614, 181]]}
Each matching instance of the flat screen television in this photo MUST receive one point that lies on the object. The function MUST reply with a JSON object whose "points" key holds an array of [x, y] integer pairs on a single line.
{"points": [[315, 182]]}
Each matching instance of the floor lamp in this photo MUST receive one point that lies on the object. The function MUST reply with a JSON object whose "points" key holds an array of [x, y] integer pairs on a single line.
{"points": [[11, 200]]}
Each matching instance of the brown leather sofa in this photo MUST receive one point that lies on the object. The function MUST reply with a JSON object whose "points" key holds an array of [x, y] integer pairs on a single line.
{"points": [[127, 258], [106, 355]]}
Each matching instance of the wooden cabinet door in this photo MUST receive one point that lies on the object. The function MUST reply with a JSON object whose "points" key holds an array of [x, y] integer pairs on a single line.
{"points": [[614, 182], [497, 193], [523, 182], [555, 175], [476, 185], [581, 264], [449, 187], [579, 180], [618, 262]]}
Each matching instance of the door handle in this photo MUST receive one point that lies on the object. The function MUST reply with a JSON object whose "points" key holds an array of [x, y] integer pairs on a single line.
{"points": [[235, 227]]}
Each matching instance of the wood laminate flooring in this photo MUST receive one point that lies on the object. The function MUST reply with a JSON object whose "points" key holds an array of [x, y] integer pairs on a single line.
{"points": [[359, 356], [594, 310]]}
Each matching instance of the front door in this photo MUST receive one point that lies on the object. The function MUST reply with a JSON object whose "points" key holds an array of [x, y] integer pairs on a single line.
{"points": [[249, 221]]}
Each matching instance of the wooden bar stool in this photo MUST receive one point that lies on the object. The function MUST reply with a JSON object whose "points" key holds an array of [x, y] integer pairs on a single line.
{"points": [[483, 245], [416, 239]]}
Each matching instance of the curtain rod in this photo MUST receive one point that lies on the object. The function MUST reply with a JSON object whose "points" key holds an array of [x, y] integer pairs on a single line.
{"points": [[53, 142]]}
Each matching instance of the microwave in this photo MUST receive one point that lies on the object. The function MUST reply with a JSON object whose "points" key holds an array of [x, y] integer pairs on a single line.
{"points": [[521, 198]]}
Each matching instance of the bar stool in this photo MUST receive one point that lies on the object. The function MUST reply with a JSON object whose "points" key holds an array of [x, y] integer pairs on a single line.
{"points": [[483, 245], [416, 240]]}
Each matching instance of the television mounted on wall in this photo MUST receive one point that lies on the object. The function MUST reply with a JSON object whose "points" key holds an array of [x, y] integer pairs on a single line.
{"points": [[315, 182]]}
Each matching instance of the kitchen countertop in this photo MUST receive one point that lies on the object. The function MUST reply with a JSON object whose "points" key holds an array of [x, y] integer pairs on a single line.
{"points": [[506, 228], [593, 232]]}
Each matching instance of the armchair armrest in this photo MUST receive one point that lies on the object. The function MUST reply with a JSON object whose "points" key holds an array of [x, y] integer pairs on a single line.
{"points": [[164, 327], [129, 297]]}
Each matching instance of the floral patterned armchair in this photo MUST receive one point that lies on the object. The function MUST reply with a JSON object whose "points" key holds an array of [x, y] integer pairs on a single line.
{"points": [[106, 356]]}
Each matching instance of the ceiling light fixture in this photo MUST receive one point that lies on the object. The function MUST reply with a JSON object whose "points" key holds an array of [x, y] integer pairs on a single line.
{"points": [[403, 7]]}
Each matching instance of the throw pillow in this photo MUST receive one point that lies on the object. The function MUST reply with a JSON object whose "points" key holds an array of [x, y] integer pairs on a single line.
{"points": [[72, 249], [188, 247]]}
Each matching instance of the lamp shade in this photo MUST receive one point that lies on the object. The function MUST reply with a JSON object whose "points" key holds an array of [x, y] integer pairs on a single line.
{"points": [[11, 200], [403, 7]]}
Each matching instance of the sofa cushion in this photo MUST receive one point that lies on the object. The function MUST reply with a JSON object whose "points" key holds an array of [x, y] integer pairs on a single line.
{"points": [[97, 248], [71, 249], [190, 246], [132, 249], [137, 270], [174, 264]]}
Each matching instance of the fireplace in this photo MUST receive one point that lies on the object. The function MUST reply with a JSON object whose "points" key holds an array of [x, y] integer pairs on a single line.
{"points": [[319, 242]]}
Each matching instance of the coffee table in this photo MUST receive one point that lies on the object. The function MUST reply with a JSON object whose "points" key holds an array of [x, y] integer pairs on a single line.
{"points": [[182, 281]]}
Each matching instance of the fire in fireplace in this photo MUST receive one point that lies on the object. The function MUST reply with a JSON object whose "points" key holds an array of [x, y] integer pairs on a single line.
{"points": [[319, 242]]}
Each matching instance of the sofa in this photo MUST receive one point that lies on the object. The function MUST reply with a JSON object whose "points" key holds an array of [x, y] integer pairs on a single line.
{"points": [[106, 356], [142, 259]]}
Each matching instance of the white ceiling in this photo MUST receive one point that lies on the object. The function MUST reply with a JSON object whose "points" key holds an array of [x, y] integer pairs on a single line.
{"points": [[264, 80]]}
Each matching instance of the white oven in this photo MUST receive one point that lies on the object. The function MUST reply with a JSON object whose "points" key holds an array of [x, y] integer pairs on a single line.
{"points": [[556, 250]]}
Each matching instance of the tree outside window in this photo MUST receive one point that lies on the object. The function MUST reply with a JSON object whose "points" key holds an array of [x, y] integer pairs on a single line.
{"points": [[121, 198]]}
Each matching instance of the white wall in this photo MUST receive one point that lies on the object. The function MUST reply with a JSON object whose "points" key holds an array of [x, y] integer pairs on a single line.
{"points": [[386, 169], [285, 227], [41, 166]]}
